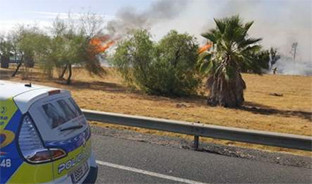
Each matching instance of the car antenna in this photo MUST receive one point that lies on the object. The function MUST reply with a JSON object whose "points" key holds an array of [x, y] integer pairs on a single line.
{"points": [[28, 85]]}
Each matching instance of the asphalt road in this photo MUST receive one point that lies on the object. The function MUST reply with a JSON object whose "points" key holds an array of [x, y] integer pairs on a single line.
{"points": [[127, 161]]}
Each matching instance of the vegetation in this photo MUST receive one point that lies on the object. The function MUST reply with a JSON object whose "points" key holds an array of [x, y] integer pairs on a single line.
{"points": [[290, 113], [168, 67], [29, 43], [265, 59], [5, 49], [164, 68], [70, 45], [232, 50], [67, 44]]}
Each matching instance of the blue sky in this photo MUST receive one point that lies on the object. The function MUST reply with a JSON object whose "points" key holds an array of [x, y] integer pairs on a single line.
{"points": [[278, 22]]}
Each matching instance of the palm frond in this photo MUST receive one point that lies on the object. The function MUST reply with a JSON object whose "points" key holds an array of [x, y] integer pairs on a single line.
{"points": [[248, 25], [239, 35], [210, 35], [206, 67], [233, 49], [204, 56], [220, 25], [252, 64], [251, 49], [249, 41]]}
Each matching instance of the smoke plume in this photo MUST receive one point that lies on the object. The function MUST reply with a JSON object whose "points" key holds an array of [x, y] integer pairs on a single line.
{"points": [[288, 66], [279, 22], [129, 18]]}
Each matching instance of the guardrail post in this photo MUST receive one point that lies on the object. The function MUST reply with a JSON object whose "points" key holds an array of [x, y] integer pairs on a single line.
{"points": [[196, 142]]}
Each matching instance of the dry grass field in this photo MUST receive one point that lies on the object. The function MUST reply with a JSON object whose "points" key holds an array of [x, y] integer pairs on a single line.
{"points": [[273, 103]]}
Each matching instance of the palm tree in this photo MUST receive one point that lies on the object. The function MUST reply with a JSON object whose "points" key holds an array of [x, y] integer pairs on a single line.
{"points": [[232, 49]]}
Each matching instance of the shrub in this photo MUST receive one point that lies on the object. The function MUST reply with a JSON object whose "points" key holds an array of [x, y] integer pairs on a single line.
{"points": [[165, 68]]}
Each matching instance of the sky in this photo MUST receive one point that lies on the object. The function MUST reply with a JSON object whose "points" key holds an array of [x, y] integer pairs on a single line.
{"points": [[42, 12], [279, 22]]}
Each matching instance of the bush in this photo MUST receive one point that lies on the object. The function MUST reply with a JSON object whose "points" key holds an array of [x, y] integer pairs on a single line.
{"points": [[164, 68]]}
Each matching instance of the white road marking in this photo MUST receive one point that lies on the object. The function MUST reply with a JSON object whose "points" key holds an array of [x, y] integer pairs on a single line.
{"points": [[148, 173]]}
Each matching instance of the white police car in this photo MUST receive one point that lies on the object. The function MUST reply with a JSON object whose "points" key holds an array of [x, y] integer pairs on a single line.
{"points": [[44, 137]]}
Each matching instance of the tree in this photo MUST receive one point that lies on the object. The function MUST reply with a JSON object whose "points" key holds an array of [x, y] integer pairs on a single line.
{"points": [[274, 56], [70, 45], [5, 51], [164, 68], [176, 56], [30, 43], [232, 49], [262, 62], [133, 57]]}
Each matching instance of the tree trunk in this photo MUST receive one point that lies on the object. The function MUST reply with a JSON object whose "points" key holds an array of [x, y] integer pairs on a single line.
{"points": [[69, 74], [63, 72], [226, 93], [17, 68], [5, 62]]}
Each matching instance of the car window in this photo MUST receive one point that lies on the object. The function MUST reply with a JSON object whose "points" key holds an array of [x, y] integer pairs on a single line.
{"points": [[55, 117], [70, 114], [77, 109], [60, 111]]}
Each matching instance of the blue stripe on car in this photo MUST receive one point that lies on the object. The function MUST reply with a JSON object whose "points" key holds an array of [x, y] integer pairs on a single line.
{"points": [[10, 151], [71, 143]]}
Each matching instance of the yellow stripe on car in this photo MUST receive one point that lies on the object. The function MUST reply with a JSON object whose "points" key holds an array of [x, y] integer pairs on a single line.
{"points": [[84, 151], [7, 111], [40, 173]]}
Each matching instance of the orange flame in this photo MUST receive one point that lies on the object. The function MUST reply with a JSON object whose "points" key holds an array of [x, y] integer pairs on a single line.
{"points": [[99, 43], [205, 47], [106, 46]]}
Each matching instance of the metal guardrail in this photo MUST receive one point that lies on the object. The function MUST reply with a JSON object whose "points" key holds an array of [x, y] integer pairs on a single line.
{"points": [[204, 130]]}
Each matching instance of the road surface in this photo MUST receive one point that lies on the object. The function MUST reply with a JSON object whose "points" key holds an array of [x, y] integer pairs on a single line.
{"points": [[127, 161]]}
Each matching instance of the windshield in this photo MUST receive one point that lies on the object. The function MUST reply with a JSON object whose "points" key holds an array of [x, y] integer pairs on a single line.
{"points": [[60, 111]]}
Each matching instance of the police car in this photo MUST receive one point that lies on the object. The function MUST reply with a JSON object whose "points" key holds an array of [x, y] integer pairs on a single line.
{"points": [[44, 137]]}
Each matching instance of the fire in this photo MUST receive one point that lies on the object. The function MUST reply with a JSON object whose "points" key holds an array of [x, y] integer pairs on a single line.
{"points": [[101, 44], [107, 45], [205, 47]]}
